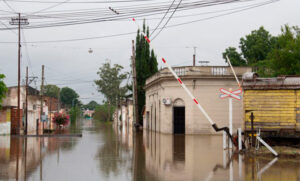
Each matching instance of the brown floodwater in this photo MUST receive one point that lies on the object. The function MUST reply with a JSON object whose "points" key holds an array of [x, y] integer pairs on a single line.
{"points": [[107, 153]]}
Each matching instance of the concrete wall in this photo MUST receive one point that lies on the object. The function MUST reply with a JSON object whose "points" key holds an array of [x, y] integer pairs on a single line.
{"points": [[11, 100], [159, 117], [124, 114], [5, 121]]}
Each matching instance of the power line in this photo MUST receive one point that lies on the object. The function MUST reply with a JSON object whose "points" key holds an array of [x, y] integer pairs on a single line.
{"points": [[8, 28], [77, 2], [27, 53], [162, 18], [140, 13], [170, 26], [167, 21], [9, 6], [50, 7]]}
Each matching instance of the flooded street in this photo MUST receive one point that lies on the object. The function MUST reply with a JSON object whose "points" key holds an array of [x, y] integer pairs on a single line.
{"points": [[106, 153]]}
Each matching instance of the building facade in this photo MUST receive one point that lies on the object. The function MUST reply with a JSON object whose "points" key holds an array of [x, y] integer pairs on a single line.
{"points": [[274, 103], [170, 110], [123, 115], [10, 122]]}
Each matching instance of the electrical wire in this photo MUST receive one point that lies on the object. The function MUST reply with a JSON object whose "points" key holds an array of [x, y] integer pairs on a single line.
{"points": [[9, 6], [162, 18], [27, 53], [167, 20], [77, 2], [50, 7], [15, 33], [130, 12], [174, 25]]}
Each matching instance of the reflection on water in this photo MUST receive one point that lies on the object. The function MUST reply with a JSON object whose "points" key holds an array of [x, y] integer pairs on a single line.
{"points": [[106, 153]]}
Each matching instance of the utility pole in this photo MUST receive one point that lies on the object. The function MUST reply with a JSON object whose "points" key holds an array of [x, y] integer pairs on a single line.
{"points": [[42, 93], [50, 113], [26, 102], [134, 87], [19, 21]]}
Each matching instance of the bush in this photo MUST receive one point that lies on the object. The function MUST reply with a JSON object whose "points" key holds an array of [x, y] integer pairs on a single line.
{"points": [[102, 113], [61, 119], [74, 114]]}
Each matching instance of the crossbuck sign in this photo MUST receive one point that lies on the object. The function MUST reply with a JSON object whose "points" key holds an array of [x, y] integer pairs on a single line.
{"points": [[233, 94]]}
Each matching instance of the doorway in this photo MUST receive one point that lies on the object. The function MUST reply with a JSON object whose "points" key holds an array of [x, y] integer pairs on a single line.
{"points": [[179, 120]]}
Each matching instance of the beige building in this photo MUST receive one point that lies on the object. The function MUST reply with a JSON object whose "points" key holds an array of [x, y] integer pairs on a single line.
{"points": [[123, 115], [169, 109], [10, 103]]}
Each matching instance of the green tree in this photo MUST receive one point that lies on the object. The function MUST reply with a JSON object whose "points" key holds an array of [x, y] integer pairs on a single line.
{"points": [[51, 90], [74, 114], [91, 105], [3, 88], [146, 66], [102, 112], [68, 96], [109, 83], [256, 46], [284, 59], [234, 57]]}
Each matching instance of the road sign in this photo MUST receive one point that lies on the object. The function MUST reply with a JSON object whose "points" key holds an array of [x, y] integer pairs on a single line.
{"points": [[233, 94]]}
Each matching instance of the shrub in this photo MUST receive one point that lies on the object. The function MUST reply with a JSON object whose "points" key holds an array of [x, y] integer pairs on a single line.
{"points": [[61, 119]]}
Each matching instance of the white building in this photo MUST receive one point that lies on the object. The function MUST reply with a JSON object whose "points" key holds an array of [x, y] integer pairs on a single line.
{"points": [[169, 109]]}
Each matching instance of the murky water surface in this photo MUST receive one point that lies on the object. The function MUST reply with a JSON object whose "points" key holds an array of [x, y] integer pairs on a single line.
{"points": [[106, 153]]}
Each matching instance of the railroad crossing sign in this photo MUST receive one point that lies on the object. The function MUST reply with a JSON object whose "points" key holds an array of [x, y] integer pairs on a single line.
{"points": [[233, 94]]}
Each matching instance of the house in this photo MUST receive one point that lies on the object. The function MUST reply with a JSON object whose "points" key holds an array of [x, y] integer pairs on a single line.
{"points": [[123, 115], [89, 113], [9, 118], [169, 109], [53, 105]]}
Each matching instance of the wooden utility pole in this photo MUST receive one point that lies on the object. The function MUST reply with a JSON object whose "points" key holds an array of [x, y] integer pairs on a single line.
{"points": [[19, 21], [26, 102], [134, 87], [19, 73], [50, 109], [42, 93]]}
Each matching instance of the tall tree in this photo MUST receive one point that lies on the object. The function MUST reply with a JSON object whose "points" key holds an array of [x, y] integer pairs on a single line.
{"points": [[256, 46], [109, 83], [51, 90], [68, 96], [270, 55], [284, 59], [3, 88], [234, 57], [146, 65]]}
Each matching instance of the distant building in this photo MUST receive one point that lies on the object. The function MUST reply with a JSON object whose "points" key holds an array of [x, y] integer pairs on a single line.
{"points": [[169, 109], [53, 105], [123, 115], [89, 113]]}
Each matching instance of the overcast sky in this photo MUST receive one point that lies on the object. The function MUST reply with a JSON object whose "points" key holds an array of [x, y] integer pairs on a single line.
{"points": [[70, 64]]}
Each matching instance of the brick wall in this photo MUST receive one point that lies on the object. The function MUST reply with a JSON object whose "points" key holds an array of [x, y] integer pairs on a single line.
{"points": [[16, 121]]}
